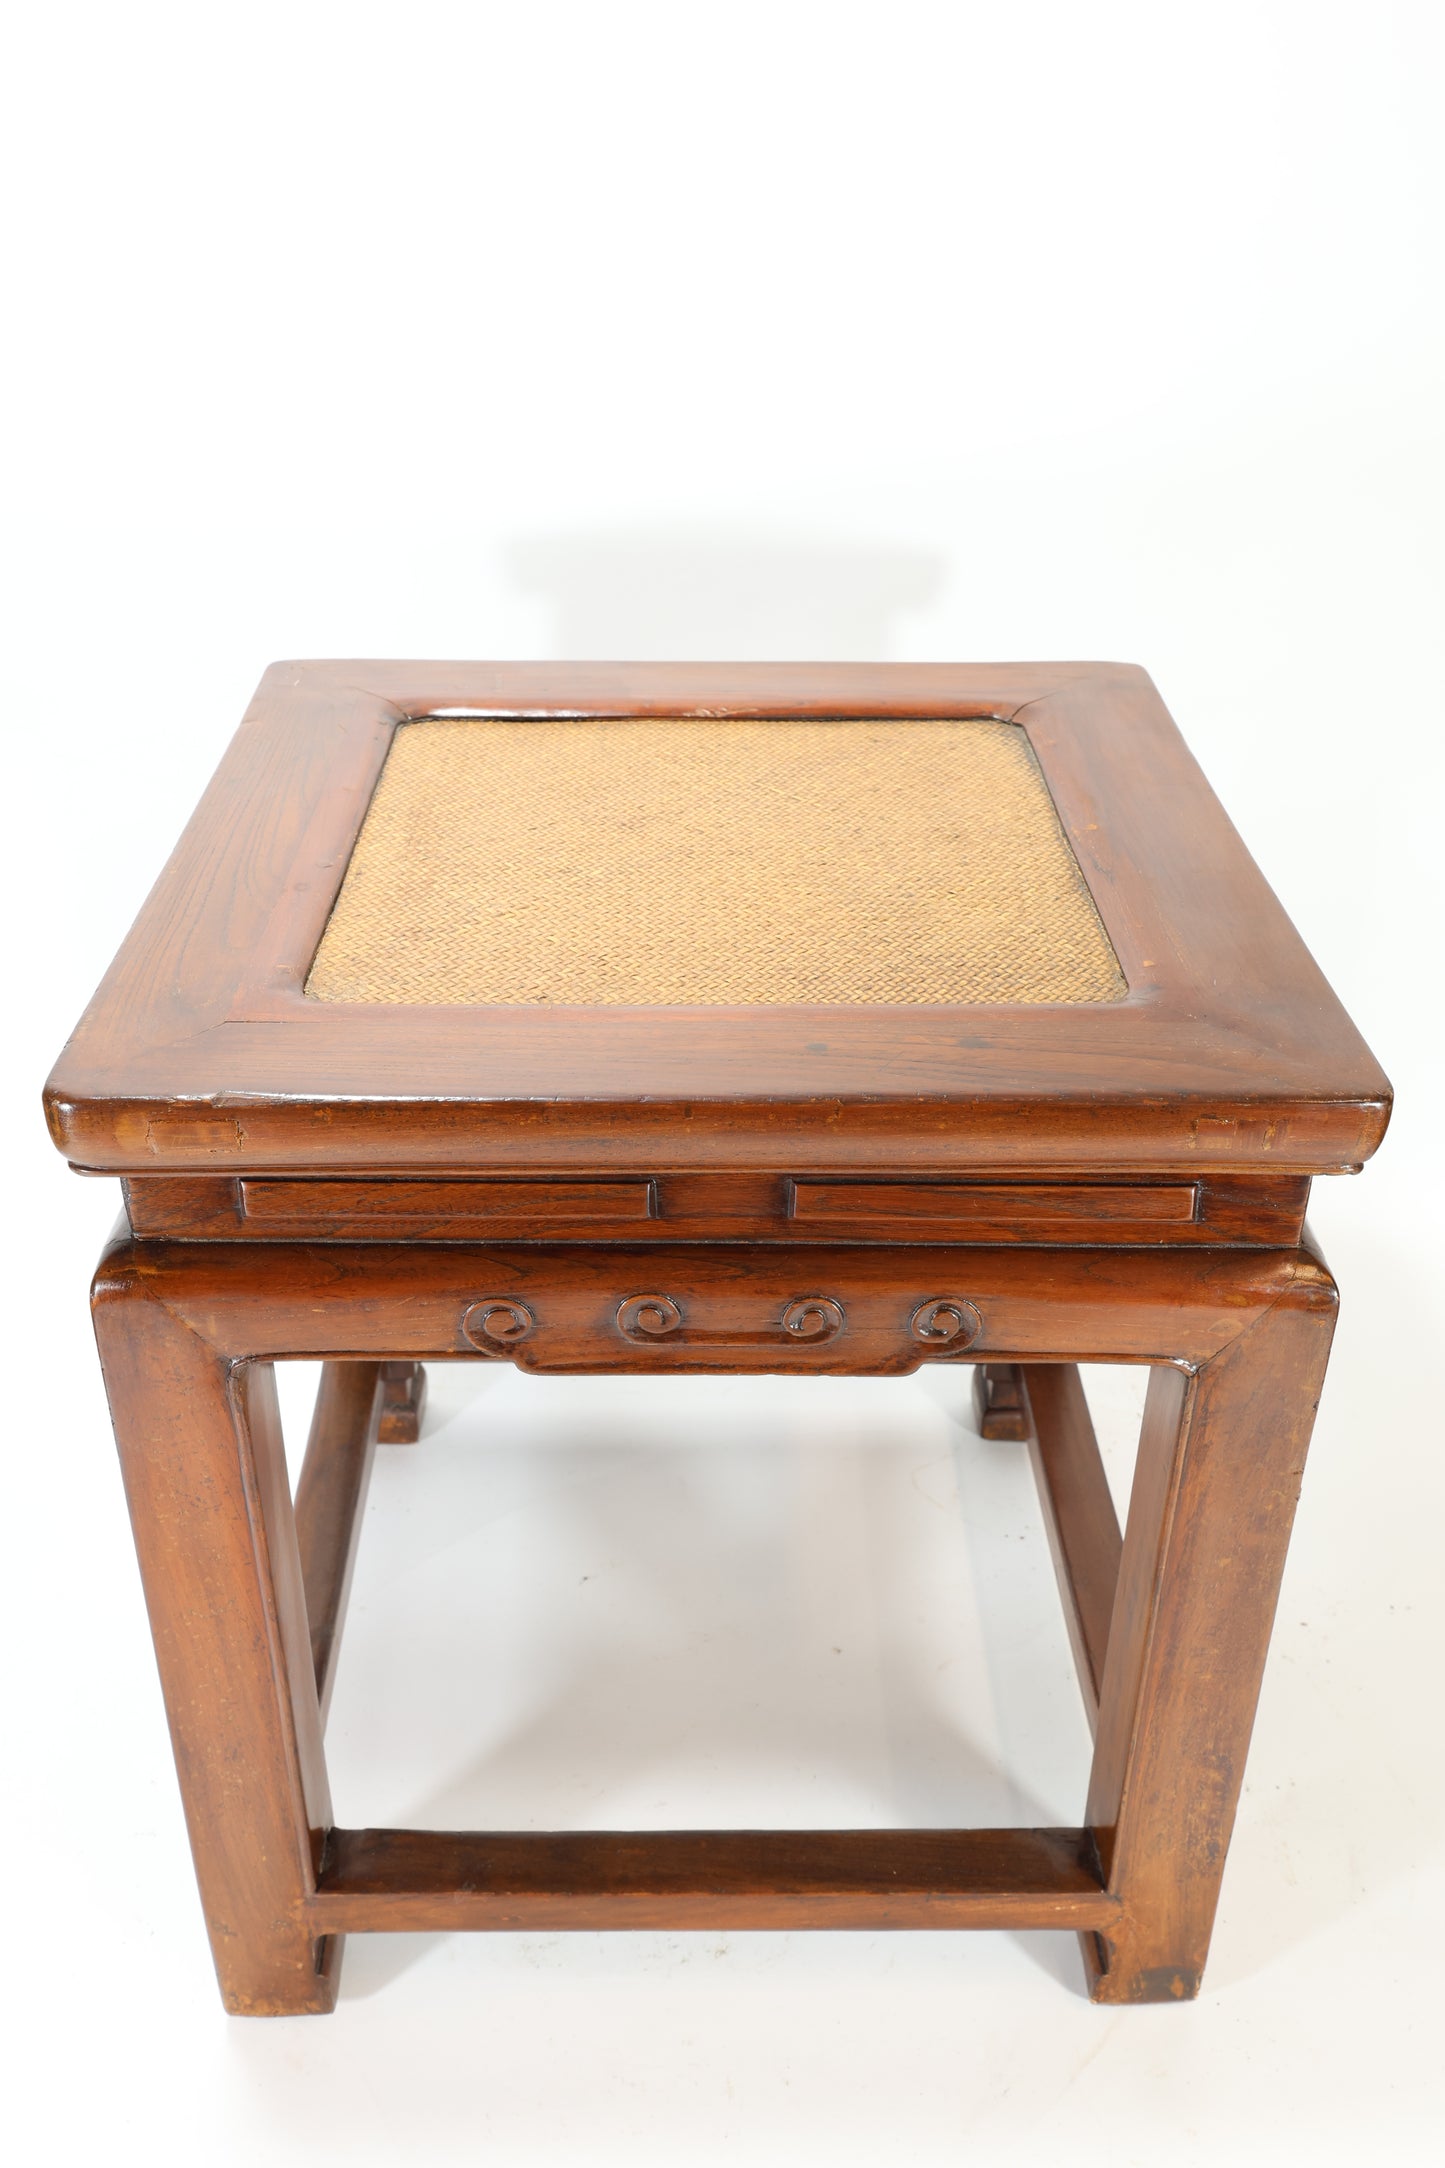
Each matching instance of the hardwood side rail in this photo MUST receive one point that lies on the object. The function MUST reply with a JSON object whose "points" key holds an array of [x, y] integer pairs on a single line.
{"points": [[378, 1300], [419, 1881]]}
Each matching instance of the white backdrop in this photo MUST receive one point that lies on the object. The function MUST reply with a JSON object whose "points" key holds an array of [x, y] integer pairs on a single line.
{"points": [[952, 331]]}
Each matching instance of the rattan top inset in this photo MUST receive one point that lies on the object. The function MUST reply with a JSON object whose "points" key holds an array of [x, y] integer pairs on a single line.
{"points": [[649, 862]]}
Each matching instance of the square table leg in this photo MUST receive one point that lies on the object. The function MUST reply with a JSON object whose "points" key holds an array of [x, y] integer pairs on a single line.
{"points": [[1221, 1456], [205, 1474]]}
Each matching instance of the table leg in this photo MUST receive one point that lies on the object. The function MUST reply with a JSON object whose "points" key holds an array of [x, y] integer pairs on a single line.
{"points": [[330, 1499], [1221, 1455], [201, 1452], [998, 1401]]}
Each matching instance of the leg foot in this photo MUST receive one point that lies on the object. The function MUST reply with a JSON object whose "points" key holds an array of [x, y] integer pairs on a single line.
{"points": [[999, 1407], [403, 1403], [1108, 1982]]}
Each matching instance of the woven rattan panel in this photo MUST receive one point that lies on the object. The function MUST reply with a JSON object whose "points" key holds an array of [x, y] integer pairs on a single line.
{"points": [[603, 862]]}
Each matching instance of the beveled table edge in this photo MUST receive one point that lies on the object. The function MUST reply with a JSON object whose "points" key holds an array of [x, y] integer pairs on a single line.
{"points": [[201, 1051]]}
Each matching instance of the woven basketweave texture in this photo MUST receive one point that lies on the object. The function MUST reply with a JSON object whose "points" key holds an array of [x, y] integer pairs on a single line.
{"points": [[665, 862]]}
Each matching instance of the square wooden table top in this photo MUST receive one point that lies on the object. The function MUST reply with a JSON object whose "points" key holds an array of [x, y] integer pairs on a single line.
{"points": [[590, 917]]}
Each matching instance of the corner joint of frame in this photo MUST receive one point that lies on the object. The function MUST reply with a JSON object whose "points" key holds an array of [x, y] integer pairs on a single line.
{"points": [[126, 1277], [1308, 1290]]}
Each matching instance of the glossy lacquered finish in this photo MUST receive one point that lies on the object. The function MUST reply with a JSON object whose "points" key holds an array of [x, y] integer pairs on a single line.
{"points": [[737, 1206], [847, 1191], [188, 1334], [201, 1053]]}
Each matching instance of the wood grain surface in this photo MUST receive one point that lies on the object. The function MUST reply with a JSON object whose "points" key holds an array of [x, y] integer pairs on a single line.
{"points": [[854, 1190], [200, 1052], [245, 1613]]}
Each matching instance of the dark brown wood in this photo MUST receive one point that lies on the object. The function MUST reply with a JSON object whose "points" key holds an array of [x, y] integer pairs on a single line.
{"points": [[999, 1407], [174, 1315], [1221, 1457], [205, 1303], [726, 1205], [205, 1473], [848, 1190], [462, 1208], [956, 1208], [330, 1499], [421, 1881], [201, 1053], [560, 1308], [1083, 1528], [403, 1403]]}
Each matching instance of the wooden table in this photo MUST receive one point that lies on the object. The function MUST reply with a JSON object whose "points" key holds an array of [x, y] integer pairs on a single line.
{"points": [[698, 1018]]}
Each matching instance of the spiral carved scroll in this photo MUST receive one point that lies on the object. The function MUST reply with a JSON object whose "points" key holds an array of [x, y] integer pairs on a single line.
{"points": [[496, 1324], [946, 1325], [649, 1317], [807, 1322], [815, 1317]]}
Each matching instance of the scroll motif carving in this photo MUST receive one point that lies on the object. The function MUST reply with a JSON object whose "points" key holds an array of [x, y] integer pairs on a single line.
{"points": [[649, 1317], [806, 1322], [813, 1317], [496, 1323], [946, 1325]]}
